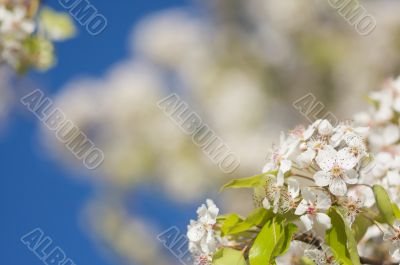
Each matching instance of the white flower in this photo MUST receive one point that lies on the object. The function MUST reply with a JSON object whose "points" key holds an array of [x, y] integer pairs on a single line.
{"points": [[344, 129], [364, 194], [355, 146], [306, 158], [311, 207], [201, 235], [381, 165], [353, 206], [273, 195], [15, 22], [281, 197], [336, 170], [393, 236], [15, 27], [321, 257], [385, 136], [384, 111], [309, 132], [279, 159], [323, 127]]}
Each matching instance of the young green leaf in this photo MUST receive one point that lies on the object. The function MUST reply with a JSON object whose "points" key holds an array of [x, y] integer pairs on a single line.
{"points": [[230, 222], [229, 256], [284, 243], [56, 25], [384, 204], [396, 211], [273, 241], [261, 253], [341, 240], [360, 227], [257, 217], [250, 182]]}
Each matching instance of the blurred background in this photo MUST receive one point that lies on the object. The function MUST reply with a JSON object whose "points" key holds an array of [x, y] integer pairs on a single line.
{"points": [[239, 64]]}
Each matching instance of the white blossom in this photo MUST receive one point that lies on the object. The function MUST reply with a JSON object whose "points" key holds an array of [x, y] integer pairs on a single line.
{"points": [[15, 26], [392, 235], [336, 170], [353, 206], [201, 235], [280, 197], [312, 208], [280, 157]]}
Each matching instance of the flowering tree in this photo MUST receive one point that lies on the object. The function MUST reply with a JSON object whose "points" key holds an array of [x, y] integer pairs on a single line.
{"points": [[27, 32], [327, 195]]}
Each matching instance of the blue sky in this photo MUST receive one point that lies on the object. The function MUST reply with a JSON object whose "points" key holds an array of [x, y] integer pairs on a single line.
{"points": [[35, 191]]}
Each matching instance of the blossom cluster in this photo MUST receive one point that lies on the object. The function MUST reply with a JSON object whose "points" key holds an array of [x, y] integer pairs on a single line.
{"points": [[384, 137], [26, 34], [202, 237], [384, 141], [316, 174], [327, 160]]}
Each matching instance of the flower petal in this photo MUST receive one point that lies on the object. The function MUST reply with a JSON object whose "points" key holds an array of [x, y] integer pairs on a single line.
{"points": [[294, 188], [391, 134], [266, 204], [323, 201], [308, 195], [286, 165], [196, 232], [306, 158], [351, 177], [353, 139], [324, 220], [322, 178], [346, 159], [326, 158], [338, 187], [302, 208], [307, 221]]}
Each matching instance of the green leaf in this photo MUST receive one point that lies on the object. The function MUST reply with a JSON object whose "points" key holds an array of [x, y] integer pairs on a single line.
{"points": [[284, 243], [360, 227], [341, 240], [251, 182], [396, 211], [269, 243], [230, 222], [384, 204], [229, 256], [257, 217], [56, 25]]}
